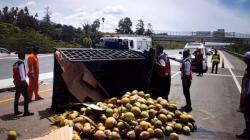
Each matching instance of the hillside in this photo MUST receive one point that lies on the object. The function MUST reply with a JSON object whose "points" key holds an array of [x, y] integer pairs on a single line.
{"points": [[15, 39]]}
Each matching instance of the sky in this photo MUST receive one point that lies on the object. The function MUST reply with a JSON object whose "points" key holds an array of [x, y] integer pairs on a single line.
{"points": [[164, 15]]}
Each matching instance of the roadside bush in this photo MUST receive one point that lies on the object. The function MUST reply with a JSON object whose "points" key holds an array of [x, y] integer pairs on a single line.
{"points": [[14, 39], [169, 44], [239, 48]]}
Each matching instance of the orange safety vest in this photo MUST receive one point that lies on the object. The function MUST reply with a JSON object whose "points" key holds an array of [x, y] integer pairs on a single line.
{"points": [[33, 64]]}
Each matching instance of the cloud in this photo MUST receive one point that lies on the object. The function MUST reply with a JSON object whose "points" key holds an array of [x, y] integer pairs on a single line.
{"points": [[28, 4], [164, 15], [241, 1], [114, 10]]}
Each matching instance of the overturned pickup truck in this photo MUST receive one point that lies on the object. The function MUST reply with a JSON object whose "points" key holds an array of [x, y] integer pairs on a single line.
{"points": [[83, 74]]}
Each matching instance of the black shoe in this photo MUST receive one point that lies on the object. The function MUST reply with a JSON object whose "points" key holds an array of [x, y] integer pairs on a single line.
{"points": [[242, 136], [187, 108], [183, 107], [39, 98], [17, 113], [28, 114]]}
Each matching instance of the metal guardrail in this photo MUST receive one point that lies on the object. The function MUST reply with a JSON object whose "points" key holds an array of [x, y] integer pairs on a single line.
{"points": [[203, 34], [234, 53]]}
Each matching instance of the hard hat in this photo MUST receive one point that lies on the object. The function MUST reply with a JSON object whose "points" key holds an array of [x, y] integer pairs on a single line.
{"points": [[247, 55]]}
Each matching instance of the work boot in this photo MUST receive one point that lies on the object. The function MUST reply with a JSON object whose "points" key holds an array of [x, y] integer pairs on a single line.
{"points": [[39, 98], [187, 108], [183, 107], [28, 114], [242, 136], [17, 113]]}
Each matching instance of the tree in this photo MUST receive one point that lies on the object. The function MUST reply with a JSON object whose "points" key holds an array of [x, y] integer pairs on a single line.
{"points": [[25, 21], [67, 33], [149, 30], [87, 42], [124, 26], [140, 28], [103, 20], [95, 25], [86, 29], [91, 30], [9, 16]]}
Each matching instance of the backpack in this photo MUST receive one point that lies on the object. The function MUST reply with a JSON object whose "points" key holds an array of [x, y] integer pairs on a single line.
{"points": [[16, 73]]}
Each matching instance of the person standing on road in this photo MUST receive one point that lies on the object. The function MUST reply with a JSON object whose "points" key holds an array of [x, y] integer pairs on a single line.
{"points": [[33, 74], [199, 61], [215, 61], [245, 98], [21, 86], [186, 77], [163, 72]]}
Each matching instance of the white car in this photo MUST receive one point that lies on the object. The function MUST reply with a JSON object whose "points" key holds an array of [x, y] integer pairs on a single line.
{"points": [[136, 43], [192, 47], [5, 52]]}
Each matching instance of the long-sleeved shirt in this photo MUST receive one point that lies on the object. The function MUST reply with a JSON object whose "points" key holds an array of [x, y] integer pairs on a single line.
{"points": [[22, 70], [187, 65]]}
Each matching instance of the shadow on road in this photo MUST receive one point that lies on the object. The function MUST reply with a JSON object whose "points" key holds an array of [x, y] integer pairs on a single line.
{"points": [[45, 113], [202, 133], [8, 117]]}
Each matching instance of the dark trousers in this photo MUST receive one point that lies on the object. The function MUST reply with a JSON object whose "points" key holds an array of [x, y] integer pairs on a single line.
{"points": [[165, 86], [200, 68], [160, 86], [247, 121], [216, 67], [21, 89], [186, 83]]}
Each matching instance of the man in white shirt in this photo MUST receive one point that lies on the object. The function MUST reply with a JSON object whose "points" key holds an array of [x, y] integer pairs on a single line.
{"points": [[186, 77], [21, 86]]}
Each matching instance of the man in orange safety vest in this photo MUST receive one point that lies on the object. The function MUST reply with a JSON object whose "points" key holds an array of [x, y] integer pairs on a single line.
{"points": [[33, 74]]}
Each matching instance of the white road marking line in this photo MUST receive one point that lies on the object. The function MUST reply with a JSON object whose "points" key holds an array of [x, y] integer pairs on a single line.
{"points": [[232, 73], [175, 74], [226, 61], [211, 74], [226, 75]]}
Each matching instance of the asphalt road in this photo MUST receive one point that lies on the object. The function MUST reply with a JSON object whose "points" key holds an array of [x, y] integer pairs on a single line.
{"points": [[6, 62], [215, 98]]}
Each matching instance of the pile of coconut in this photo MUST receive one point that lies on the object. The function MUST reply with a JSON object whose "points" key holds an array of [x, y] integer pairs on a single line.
{"points": [[134, 116]]}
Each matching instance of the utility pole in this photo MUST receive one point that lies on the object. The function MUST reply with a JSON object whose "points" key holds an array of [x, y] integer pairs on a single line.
{"points": [[47, 15], [103, 19]]}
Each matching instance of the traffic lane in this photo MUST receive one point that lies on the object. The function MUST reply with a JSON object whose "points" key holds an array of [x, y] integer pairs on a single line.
{"points": [[214, 101], [30, 126], [6, 68], [235, 61], [46, 65]]}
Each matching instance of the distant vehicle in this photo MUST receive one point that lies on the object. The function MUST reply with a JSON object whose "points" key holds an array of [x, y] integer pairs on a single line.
{"points": [[4, 51], [136, 43], [210, 51], [192, 47]]}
